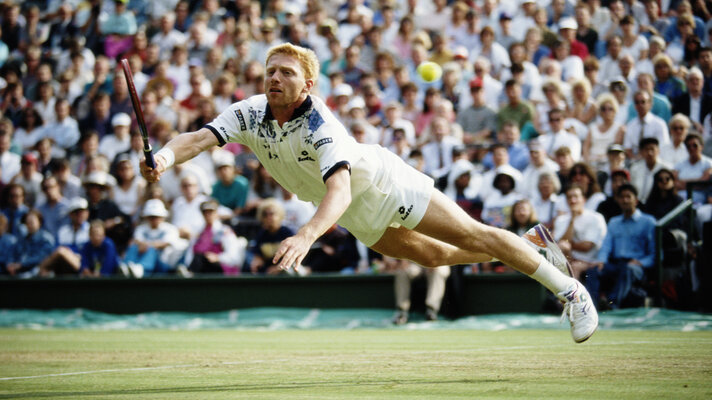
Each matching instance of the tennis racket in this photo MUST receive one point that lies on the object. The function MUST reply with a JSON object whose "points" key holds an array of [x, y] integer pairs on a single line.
{"points": [[136, 102]]}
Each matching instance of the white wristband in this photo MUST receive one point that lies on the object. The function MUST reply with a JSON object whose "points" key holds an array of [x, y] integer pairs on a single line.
{"points": [[167, 155]]}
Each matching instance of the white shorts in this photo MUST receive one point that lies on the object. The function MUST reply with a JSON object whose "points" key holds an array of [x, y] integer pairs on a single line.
{"points": [[390, 193]]}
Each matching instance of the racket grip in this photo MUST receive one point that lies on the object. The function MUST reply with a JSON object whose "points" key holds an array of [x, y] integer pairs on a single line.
{"points": [[150, 162]]}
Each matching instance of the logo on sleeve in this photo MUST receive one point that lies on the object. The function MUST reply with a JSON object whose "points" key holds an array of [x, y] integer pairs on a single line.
{"points": [[322, 142], [241, 118]]}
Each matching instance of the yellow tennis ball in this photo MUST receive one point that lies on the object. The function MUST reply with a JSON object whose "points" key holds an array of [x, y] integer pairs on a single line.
{"points": [[429, 71]]}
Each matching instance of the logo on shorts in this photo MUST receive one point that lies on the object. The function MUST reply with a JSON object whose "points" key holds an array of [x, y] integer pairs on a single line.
{"points": [[241, 118], [405, 213], [322, 142]]}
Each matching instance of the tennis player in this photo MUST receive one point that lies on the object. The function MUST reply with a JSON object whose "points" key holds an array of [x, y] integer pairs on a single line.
{"points": [[386, 204]]}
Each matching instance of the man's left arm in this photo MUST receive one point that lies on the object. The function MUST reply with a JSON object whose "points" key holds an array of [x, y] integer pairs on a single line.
{"points": [[337, 199], [648, 260]]}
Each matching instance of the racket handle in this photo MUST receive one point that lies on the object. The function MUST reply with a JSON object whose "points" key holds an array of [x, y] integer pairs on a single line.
{"points": [[150, 162]]}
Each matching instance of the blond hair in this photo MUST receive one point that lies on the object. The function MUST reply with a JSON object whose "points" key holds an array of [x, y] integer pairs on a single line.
{"points": [[273, 205], [306, 57]]}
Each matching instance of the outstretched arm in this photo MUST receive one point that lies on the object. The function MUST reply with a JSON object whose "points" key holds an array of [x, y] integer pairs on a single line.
{"points": [[184, 147], [337, 199]]}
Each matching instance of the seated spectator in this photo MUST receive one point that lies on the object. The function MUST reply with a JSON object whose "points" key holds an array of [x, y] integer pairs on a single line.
{"points": [[29, 178], [217, 250], [538, 164], [518, 153], [55, 207], [156, 245], [463, 187], [231, 189], [405, 272], [99, 117], [603, 133], [642, 171], [438, 151], [119, 141], [129, 188], [270, 214], [65, 131], [28, 131], [697, 167], [516, 109], [296, 212], [262, 186], [523, 217], [675, 152], [99, 256], [185, 211], [9, 161], [7, 244], [582, 174], [70, 185], [579, 232], [88, 149], [479, 121], [71, 238], [115, 224], [559, 137], [663, 197], [497, 207], [34, 244], [646, 125], [627, 251], [609, 207], [547, 203], [500, 158], [16, 208]]}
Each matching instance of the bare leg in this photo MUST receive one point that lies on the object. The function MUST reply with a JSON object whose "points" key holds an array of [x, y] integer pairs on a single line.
{"points": [[447, 222]]}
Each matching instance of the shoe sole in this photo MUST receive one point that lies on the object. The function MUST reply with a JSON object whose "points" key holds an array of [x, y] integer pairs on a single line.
{"points": [[546, 237], [588, 336]]}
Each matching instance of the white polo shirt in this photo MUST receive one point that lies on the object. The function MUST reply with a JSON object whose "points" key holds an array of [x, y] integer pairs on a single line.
{"points": [[301, 154], [590, 226]]}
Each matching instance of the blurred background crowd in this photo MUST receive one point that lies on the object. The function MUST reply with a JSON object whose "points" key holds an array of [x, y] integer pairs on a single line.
{"points": [[535, 97]]}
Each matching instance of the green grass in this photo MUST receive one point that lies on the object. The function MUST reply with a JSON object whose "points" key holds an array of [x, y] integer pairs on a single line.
{"points": [[378, 364]]}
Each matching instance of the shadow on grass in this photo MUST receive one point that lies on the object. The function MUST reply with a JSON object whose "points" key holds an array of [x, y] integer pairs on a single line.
{"points": [[245, 387]]}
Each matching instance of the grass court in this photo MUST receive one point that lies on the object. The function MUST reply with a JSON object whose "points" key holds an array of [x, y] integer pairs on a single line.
{"points": [[353, 364]]}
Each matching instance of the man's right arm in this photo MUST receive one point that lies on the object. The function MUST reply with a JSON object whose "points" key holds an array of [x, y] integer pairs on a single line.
{"points": [[183, 147]]}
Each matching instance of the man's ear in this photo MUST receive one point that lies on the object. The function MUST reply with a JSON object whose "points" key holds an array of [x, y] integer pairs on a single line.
{"points": [[308, 85]]}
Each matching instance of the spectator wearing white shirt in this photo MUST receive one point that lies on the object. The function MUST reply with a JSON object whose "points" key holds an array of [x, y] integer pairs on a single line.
{"points": [[438, 152], [547, 203], [697, 167], [71, 237], [675, 152], [9, 162], [580, 232], [167, 37], [643, 170], [185, 211], [538, 164], [500, 158], [157, 245], [646, 125], [120, 140], [558, 137], [65, 131]]}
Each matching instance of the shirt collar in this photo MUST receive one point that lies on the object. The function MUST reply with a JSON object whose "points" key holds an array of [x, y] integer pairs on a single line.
{"points": [[306, 105], [636, 215]]}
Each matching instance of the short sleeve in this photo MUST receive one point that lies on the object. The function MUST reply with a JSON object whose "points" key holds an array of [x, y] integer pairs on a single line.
{"points": [[232, 124], [332, 147]]}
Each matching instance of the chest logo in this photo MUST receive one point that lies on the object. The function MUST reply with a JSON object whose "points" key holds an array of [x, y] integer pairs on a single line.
{"points": [[305, 157]]}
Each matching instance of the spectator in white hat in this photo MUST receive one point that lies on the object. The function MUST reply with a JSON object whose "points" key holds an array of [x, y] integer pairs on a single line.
{"points": [[120, 140], [156, 246]]}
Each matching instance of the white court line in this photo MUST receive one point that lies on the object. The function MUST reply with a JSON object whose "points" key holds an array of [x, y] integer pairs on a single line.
{"points": [[104, 371], [503, 348]]}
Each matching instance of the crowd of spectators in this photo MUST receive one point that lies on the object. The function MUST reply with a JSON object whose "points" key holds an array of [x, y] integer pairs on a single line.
{"points": [[536, 96]]}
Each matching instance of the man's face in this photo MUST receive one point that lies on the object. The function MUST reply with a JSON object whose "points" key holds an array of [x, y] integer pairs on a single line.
{"points": [[705, 59], [189, 188], [642, 104], [17, 197], [556, 121], [96, 236], [284, 81], [500, 156], [695, 83], [627, 201], [650, 153]]}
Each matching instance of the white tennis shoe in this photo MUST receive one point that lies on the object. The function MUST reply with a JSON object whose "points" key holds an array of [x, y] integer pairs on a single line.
{"points": [[578, 305], [579, 309]]}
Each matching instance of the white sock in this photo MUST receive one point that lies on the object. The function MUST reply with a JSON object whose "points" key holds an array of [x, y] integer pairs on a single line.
{"points": [[553, 279]]}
